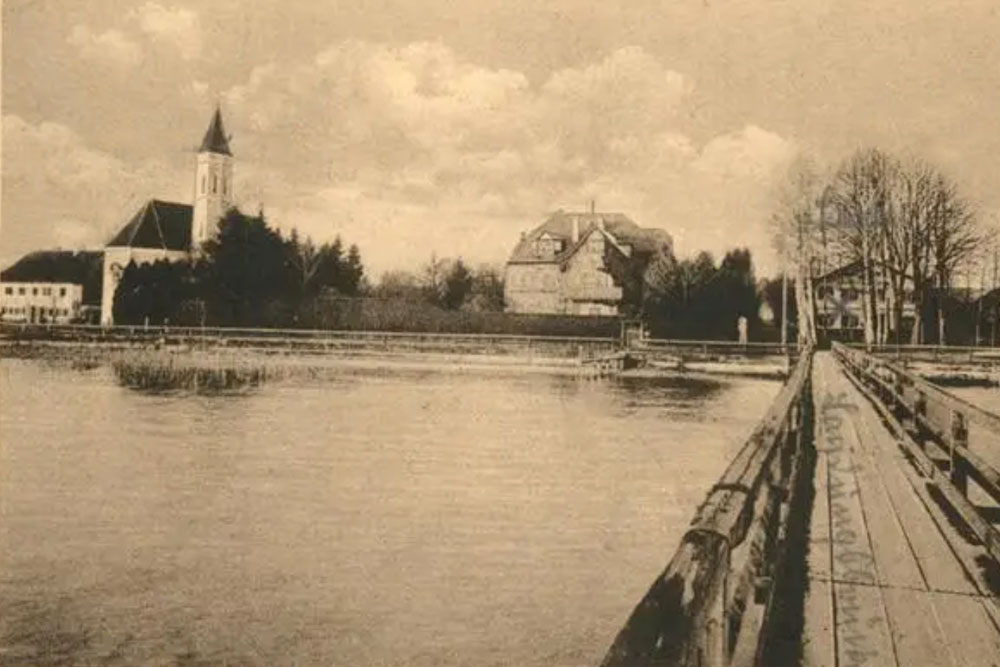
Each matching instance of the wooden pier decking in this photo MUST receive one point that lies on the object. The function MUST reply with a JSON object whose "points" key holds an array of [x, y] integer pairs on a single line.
{"points": [[893, 578]]}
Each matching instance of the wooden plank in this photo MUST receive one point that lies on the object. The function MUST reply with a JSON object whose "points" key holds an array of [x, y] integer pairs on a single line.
{"points": [[818, 556], [852, 557], [916, 630], [818, 644], [971, 636], [863, 632], [895, 561], [941, 569]]}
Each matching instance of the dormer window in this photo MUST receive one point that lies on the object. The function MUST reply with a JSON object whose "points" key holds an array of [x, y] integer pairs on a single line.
{"points": [[547, 246]]}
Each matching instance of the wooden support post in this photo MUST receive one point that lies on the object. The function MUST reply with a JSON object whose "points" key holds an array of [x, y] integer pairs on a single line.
{"points": [[919, 409], [714, 643], [959, 441]]}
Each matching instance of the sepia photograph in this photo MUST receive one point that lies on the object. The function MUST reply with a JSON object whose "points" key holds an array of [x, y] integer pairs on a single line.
{"points": [[461, 333]]}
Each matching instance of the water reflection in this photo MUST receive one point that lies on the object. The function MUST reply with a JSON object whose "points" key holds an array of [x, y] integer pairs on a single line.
{"points": [[369, 516]]}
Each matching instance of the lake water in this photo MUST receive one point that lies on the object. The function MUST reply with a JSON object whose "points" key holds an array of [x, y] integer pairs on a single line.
{"points": [[378, 517], [987, 398]]}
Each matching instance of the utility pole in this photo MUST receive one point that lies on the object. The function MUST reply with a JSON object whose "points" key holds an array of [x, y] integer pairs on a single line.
{"points": [[784, 306], [996, 308]]}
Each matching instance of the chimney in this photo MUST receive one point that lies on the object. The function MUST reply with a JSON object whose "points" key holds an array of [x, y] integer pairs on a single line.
{"points": [[576, 229]]}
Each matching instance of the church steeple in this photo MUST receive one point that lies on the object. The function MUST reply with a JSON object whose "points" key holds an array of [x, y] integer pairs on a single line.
{"points": [[215, 140], [213, 182]]}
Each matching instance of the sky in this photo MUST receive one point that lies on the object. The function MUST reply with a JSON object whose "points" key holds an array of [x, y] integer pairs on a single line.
{"points": [[412, 127]]}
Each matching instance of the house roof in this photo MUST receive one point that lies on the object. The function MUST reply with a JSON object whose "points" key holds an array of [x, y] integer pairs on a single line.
{"points": [[618, 228], [215, 140], [158, 224], [80, 267], [849, 269]]}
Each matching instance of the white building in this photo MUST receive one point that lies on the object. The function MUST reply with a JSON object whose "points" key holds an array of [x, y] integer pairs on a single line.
{"points": [[171, 230], [49, 286], [40, 302]]}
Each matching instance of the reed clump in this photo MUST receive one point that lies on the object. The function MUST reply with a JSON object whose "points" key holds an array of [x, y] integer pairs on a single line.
{"points": [[158, 371]]}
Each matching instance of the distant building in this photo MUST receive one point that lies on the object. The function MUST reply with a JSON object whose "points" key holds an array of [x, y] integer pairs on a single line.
{"points": [[171, 230], [840, 309], [51, 286], [565, 265]]}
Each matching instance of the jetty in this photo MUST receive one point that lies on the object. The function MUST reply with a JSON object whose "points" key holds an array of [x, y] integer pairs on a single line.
{"points": [[856, 526]]}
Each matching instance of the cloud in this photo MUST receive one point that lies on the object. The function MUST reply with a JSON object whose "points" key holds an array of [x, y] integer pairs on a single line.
{"points": [[58, 190], [751, 152], [175, 26], [441, 154], [110, 46]]}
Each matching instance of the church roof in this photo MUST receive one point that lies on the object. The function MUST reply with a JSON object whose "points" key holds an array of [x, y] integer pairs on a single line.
{"points": [[621, 229], [215, 140], [163, 225]]}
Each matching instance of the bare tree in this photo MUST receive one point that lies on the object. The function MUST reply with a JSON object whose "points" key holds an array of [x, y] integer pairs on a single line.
{"points": [[797, 228], [906, 226]]}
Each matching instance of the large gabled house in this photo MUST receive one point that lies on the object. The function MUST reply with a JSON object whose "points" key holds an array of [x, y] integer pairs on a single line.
{"points": [[569, 264]]}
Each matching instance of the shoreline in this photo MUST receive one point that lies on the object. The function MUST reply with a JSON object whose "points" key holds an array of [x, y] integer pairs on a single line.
{"points": [[400, 357]]}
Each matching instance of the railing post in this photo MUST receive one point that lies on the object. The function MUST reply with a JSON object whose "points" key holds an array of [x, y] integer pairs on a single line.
{"points": [[713, 645], [919, 408], [959, 440], [899, 391]]}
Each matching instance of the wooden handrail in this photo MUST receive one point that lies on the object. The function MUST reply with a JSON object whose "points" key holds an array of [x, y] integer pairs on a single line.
{"points": [[711, 605], [932, 416]]}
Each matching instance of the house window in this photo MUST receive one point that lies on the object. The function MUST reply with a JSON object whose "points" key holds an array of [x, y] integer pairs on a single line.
{"points": [[850, 294], [203, 184], [20, 291], [34, 291], [215, 184], [824, 291], [46, 291], [62, 291], [850, 322], [8, 290]]}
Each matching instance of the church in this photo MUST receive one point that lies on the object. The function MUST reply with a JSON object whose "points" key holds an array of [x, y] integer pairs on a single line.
{"points": [[172, 230]]}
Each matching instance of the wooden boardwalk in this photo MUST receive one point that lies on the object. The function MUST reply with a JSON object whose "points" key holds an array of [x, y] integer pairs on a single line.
{"points": [[893, 579]]}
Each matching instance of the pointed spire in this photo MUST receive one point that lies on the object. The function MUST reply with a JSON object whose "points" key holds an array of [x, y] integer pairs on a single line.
{"points": [[215, 140]]}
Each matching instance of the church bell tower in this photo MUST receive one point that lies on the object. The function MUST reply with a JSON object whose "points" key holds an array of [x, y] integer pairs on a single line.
{"points": [[213, 182]]}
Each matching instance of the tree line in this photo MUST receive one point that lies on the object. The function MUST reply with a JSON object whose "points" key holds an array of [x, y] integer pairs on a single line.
{"points": [[699, 299], [247, 275], [445, 283]]}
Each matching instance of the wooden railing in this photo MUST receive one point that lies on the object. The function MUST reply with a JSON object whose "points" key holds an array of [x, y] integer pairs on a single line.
{"points": [[941, 354], [250, 336], [936, 425], [715, 348], [712, 604]]}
